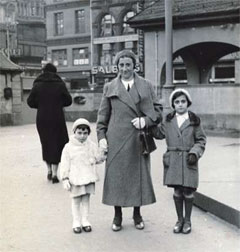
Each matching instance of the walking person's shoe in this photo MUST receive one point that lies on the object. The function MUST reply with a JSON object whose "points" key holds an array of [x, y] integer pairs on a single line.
{"points": [[55, 180], [117, 223], [138, 222], [87, 229], [49, 176], [77, 230], [178, 227], [187, 227]]}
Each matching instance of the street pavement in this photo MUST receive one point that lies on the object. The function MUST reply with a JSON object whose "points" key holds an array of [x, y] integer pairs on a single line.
{"points": [[35, 215]]}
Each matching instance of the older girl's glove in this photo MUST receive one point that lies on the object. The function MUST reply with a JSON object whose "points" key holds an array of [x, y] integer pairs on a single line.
{"points": [[192, 159], [66, 184]]}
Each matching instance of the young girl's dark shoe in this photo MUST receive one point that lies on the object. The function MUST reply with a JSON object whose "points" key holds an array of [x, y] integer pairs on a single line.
{"points": [[87, 229], [77, 230], [55, 180], [178, 227], [138, 222], [186, 227]]}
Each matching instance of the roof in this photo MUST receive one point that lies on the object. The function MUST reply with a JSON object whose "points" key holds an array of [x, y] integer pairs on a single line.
{"points": [[7, 65], [185, 8]]}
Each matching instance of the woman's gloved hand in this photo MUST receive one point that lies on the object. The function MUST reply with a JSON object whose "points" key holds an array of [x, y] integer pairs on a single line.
{"points": [[103, 145], [139, 122], [66, 184], [192, 159]]}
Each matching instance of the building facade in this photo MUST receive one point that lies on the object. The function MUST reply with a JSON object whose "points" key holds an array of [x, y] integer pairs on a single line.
{"points": [[23, 41], [206, 59], [69, 40]]}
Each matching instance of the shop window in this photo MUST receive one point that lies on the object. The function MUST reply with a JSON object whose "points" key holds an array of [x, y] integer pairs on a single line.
{"points": [[58, 21], [179, 75], [59, 57], [107, 26], [126, 27], [80, 21], [223, 72], [80, 56], [79, 84]]}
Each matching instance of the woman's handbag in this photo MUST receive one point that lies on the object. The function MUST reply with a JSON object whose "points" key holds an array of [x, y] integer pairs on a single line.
{"points": [[147, 142]]}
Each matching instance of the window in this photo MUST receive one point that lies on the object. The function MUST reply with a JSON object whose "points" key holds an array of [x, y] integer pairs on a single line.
{"points": [[80, 56], [59, 57], [223, 72], [80, 21], [58, 17], [107, 24], [179, 75], [126, 27]]}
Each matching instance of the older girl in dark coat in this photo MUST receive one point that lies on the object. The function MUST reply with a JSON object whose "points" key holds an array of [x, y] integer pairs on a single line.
{"points": [[49, 95], [186, 141]]}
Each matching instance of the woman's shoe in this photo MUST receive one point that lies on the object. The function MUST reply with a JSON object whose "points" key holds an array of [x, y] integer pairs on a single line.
{"points": [[55, 180], [87, 229], [138, 222], [49, 176], [117, 223], [77, 230], [186, 227], [178, 227]]}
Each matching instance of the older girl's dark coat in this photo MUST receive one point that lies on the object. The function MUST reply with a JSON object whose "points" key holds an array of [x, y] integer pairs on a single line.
{"points": [[49, 95], [127, 177], [189, 138]]}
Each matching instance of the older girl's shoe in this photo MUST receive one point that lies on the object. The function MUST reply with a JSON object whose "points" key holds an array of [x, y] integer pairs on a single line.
{"points": [[87, 229], [186, 227], [138, 222], [49, 176], [77, 230], [178, 227]]}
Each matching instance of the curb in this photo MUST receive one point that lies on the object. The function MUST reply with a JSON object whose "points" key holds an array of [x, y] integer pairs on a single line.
{"points": [[217, 208]]}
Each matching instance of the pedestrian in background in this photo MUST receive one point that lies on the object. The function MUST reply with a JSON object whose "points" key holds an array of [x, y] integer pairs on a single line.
{"points": [[49, 95], [128, 105], [78, 172], [185, 141]]}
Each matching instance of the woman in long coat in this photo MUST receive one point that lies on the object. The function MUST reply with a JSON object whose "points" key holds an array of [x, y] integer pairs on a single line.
{"points": [[49, 95], [127, 178]]}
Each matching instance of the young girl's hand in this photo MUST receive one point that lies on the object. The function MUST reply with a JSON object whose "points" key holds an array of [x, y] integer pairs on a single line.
{"points": [[66, 185]]}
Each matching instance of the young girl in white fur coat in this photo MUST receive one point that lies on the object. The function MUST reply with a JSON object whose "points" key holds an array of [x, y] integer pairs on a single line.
{"points": [[78, 172]]}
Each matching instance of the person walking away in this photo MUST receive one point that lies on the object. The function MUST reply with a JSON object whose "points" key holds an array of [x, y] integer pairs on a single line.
{"points": [[78, 172], [186, 142], [49, 95], [128, 105]]}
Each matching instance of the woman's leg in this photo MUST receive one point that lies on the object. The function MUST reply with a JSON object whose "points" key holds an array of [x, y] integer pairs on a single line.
{"points": [[76, 214], [54, 173], [49, 167], [178, 200], [117, 221], [188, 198], [85, 203], [138, 221]]}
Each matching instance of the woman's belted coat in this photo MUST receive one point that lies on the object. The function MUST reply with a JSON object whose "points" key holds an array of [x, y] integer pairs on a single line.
{"points": [[127, 176], [189, 138], [49, 95]]}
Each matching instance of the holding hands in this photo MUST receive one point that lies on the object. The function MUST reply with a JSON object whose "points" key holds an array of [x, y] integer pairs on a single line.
{"points": [[192, 159], [139, 122]]}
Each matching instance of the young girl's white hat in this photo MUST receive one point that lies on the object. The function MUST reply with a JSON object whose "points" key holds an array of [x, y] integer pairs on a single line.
{"points": [[80, 121], [176, 91]]}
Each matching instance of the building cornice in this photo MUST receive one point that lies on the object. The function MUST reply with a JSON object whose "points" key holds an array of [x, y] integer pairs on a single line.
{"points": [[67, 5], [69, 41]]}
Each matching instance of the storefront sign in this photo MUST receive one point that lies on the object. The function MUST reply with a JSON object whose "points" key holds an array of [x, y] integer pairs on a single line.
{"points": [[104, 69]]}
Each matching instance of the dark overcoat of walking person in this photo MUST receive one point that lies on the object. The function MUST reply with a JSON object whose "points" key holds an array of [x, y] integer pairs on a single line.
{"points": [[49, 95], [128, 104]]}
